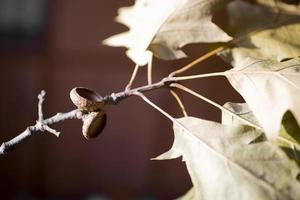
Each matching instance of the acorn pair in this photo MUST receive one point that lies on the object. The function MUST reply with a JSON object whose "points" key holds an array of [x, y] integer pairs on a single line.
{"points": [[92, 104]]}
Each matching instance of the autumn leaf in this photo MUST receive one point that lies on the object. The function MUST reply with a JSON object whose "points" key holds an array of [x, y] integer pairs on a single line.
{"points": [[262, 33], [224, 165], [163, 27], [270, 89]]}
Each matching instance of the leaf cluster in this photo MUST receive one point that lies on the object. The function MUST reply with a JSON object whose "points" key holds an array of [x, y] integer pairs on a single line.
{"points": [[254, 152]]}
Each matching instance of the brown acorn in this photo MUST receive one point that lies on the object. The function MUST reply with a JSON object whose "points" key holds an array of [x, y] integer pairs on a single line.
{"points": [[86, 99], [93, 124], [92, 104]]}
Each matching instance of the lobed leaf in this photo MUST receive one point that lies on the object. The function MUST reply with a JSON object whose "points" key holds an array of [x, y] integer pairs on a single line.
{"points": [[163, 27], [224, 165], [270, 89]]}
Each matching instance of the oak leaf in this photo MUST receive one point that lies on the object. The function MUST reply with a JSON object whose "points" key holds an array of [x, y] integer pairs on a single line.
{"points": [[163, 27], [224, 164], [270, 89]]}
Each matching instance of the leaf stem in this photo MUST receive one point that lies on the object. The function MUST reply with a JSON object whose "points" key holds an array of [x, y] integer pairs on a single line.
{"points": [[175, 95], [182, 78], [148, 101], [149, 70], [133, 75], [176, 85], [198, 60], [115, 98]]}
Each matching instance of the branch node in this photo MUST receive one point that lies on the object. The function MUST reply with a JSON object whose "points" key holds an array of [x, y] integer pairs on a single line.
{"points": [[113, 99], [43, 127], [39, 126]]}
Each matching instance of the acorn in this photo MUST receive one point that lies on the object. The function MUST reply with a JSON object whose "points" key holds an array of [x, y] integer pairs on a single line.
{"points": [[86, 99], [92, 104], [93, 124]]}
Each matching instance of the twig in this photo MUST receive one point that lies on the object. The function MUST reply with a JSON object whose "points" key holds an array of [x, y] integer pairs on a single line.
{"points": [[41, 98], [35, 129], [115, 98], [40, 123], [170, 81], [40, 126]]}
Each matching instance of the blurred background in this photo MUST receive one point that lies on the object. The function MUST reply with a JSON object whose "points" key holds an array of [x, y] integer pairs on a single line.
{"points": [[56, 45]]}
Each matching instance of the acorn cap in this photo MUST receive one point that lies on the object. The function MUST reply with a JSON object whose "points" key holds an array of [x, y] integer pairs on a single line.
{"points": [[93, 124], [86, 99]]}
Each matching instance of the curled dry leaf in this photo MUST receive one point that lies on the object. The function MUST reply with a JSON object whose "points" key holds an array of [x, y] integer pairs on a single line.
{"points": [[263, 33], [163, 27], [270, 89], [224, 165]]}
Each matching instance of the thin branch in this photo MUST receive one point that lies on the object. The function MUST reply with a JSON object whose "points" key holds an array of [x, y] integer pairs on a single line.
{"points": [[42, 124], [37, 128], [215, 104], [115, 98], [175, 95], [41, 98]]}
